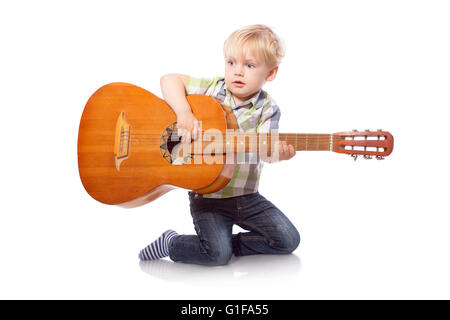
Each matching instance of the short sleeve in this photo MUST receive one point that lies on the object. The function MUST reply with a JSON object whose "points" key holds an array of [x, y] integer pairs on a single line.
{"points": [[200, 85]]}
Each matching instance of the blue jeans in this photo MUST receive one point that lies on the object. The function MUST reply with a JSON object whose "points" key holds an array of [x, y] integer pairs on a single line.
{"points": [[270, 231]]}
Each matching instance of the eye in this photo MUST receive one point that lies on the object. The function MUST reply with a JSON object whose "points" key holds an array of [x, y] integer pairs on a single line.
{"points": [[251, 65], [230, 62]]}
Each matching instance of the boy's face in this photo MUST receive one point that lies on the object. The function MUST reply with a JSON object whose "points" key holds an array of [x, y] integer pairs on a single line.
{"points": [[245, 75]]}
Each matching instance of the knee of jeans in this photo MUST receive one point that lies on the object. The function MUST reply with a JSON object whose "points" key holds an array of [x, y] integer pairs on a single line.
{"points": [[288, 242], [220, 256]]}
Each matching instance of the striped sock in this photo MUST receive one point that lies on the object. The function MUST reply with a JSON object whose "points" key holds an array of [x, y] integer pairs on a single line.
{"points": [[159, 248]]}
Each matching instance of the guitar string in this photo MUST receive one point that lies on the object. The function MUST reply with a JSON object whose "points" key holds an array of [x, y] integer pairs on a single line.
{"points": [[281, 139], [291, 140], [241, 134], [370, 134], [250, 135], [312, 144], [315, 141], [316, 145], [280, 136]]}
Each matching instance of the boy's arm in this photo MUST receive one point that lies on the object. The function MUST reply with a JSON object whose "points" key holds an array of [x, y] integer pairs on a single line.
{"points": [[173, 88]]}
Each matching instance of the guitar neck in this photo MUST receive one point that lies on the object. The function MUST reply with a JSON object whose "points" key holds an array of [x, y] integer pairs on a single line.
{"points": [[255, 142], [368, 143]]}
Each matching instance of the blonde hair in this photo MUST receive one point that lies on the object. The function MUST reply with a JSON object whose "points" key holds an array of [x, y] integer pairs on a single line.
{"points": [[258, 40]]}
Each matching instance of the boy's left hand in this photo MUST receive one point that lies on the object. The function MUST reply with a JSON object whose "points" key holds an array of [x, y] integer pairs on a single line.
{"points": [[285, 151]]}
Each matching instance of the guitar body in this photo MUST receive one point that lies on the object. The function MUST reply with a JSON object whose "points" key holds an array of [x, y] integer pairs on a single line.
{"points": [[124, 146]]}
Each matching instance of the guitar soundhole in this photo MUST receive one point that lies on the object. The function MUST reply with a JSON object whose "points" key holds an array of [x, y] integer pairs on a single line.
{"points": [[169, 139]]}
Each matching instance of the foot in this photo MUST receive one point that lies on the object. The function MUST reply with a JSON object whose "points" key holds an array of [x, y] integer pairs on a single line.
{"points": [[159, 248]]}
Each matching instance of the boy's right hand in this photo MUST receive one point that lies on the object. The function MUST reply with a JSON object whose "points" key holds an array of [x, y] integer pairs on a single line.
{"points": [[188, 126]]}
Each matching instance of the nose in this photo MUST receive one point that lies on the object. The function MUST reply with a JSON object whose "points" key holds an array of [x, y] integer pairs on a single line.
{"points": [[239, 70]]}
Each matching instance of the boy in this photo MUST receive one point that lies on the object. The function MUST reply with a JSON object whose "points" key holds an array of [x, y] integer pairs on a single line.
{"points": [[252, 55]]}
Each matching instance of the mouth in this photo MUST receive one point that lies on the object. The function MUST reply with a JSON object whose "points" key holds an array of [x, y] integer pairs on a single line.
{"points": [[238, 83]]}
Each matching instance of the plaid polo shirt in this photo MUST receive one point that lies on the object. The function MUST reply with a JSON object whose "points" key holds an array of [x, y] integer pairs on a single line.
{"points": [[259, 114]]}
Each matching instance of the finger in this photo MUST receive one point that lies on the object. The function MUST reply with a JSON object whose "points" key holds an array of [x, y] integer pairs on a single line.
{"points": [[285, 148], [188, 136], [195, 131], [282, 152], [291, 150], [180, 133]]}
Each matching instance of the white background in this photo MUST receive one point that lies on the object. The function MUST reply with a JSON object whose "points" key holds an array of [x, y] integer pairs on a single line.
{"points": [[370, 229]]}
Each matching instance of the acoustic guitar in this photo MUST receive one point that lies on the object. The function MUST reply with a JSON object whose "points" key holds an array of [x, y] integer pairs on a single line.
{"points": [[129, 152]]}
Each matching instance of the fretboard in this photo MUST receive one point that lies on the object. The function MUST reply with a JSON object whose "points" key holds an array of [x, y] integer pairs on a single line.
{"points": [[254, 142], [308, 141]]}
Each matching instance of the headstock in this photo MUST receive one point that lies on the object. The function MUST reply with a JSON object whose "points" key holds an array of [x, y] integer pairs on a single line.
{"points": [[366, 143]]}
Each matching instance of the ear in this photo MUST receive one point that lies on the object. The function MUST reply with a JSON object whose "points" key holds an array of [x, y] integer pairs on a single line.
{"points": [[272, 74]]}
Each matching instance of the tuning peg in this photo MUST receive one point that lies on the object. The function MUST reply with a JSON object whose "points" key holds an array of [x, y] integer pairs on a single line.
{"points": [[379, 129], [354, 156], [367, 130], [366, 156], [380, 158], [354, 130]]}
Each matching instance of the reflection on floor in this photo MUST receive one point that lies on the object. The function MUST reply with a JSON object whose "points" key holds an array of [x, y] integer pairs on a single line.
{"points": [[239, 268]]}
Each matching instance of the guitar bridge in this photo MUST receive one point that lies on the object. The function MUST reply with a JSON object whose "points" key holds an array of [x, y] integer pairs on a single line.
{"points": [[122, 140]]}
